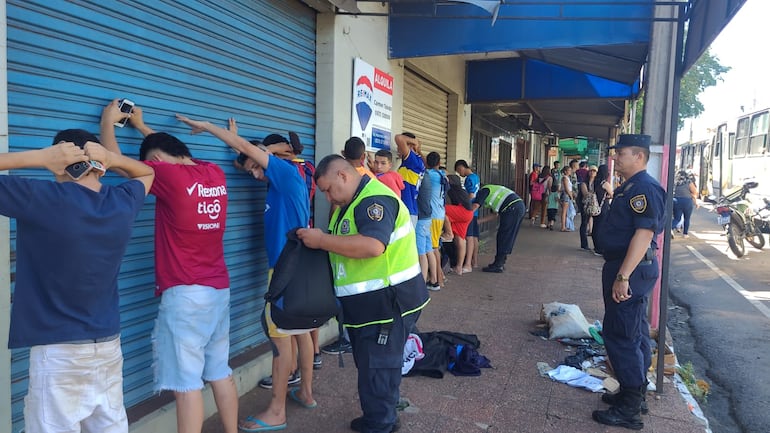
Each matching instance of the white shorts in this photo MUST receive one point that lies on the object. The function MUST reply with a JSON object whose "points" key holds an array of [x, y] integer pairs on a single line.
{"points": [[74, 388]]}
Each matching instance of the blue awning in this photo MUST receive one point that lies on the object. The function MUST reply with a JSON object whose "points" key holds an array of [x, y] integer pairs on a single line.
{"points": [[429, 27], [526, 79]]}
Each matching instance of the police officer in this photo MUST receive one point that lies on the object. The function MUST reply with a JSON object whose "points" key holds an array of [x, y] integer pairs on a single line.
{"points": [[627, 239], [377, 277], [510, 208]]}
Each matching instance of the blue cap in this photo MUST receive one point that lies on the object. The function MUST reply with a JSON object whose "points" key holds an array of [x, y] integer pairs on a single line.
{"points": [[632, 140]]}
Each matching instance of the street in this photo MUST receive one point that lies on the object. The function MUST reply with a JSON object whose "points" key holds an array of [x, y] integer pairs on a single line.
{"points": [[719, 317]]}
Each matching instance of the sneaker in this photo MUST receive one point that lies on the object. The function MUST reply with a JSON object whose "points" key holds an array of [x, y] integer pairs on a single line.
{"points": [[339, 346], [467, 270], [596, 253], [317, 361], [542, 226], [358, 425], [434, 286], [267, 382], [686, 236]]}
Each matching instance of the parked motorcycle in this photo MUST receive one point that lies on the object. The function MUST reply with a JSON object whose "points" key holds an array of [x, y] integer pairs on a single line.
{"points": [[734, 213]]}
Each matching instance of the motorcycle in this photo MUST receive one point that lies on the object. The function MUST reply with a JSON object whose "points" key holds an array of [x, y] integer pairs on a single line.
{"points": [[735, 214], [762, 218]]}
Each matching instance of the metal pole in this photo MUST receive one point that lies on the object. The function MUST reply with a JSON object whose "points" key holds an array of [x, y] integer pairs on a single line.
{"points": [[664, 287]]}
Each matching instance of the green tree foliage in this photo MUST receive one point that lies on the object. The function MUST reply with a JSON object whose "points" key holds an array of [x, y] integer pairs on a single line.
{"points": [[703, 74]]}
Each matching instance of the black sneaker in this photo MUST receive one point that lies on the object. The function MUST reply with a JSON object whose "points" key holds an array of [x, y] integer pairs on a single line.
{"points": [[267, 382], [358, 425], [317, 361], [339, 346]]}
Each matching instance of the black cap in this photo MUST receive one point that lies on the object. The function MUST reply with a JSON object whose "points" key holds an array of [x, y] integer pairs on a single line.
{"points": [[632, 140]]}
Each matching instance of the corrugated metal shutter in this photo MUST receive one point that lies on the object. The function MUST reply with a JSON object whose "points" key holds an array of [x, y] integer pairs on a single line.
{"points": [[426, 113], [252, 60]]}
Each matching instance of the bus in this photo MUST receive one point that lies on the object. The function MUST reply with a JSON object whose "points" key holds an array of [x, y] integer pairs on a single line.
{"points": [[738, 151]]}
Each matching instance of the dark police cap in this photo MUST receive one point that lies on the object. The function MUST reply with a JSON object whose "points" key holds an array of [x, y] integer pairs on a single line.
{"points": [[632, 140]]}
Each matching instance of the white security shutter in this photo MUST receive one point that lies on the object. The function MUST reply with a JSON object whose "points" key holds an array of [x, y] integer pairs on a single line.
{"points": [[426, 113]]}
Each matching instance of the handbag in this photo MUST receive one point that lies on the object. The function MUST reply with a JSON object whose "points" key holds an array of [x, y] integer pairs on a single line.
{"points": [[591, 204]]}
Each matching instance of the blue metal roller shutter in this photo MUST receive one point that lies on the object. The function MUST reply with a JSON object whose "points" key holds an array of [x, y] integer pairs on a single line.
{"points": [[252, 60]]}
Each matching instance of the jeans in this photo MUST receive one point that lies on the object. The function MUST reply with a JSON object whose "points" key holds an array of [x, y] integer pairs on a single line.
{"points": [[683, 206]]}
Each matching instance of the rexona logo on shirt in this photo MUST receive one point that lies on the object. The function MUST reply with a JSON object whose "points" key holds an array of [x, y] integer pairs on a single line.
{"points": [[210, 208]]}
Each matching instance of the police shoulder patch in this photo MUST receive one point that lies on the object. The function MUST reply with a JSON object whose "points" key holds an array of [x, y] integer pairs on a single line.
{"points": [[639, 203], [375, 212]]}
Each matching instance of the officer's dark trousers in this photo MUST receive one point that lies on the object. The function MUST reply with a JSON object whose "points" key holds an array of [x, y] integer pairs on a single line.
{"points": [[626, 330], [379, 371], [510, 222]]}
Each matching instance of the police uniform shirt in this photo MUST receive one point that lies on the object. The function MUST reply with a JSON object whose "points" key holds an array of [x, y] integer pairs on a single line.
{"points": [[375, 216], [639, 203]]}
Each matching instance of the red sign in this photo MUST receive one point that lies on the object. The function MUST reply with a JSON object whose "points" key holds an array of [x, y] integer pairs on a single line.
{"points": [[383, 81]]}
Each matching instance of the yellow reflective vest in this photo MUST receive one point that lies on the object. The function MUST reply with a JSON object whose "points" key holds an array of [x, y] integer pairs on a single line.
{"points": [[362, 281]]}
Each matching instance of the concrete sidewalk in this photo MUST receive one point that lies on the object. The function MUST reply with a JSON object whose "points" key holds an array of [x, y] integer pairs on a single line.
{"points": [[501, 309]]}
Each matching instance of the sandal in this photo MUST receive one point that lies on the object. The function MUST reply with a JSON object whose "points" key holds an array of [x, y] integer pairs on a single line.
{"points": [[261, 425]]}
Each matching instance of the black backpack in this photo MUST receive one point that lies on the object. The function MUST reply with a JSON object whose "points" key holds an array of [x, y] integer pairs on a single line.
{"points": [[301, 292]]}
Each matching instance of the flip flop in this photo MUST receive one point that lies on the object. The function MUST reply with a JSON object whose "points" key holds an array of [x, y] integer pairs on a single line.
{"points": [[293, 395], [263, 426]]}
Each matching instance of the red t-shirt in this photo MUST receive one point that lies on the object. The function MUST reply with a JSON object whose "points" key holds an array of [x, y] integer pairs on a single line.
{"points": [[190, 215], [392, 180]]}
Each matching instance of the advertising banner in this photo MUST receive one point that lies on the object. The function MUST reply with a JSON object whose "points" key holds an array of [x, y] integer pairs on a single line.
{"points": [[372, 106]]}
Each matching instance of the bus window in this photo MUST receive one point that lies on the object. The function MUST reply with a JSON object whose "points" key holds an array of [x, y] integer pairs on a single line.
{"points": [[741, 138], [758, 139]]}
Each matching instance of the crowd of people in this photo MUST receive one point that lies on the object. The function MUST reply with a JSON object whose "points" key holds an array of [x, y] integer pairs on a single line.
{"points": [[389, 238]]}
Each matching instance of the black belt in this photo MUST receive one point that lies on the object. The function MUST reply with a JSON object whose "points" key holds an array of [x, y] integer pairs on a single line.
{"points": [[649, 256], [92, 340]]}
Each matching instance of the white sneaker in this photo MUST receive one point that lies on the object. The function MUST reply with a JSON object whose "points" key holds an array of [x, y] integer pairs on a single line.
{"points": [[542, 226]]}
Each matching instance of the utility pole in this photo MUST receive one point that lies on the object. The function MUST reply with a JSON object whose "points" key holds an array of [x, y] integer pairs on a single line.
{"points": [[660, 117]]}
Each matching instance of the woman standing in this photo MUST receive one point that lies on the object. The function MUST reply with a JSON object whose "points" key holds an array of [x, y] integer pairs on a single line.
{"points": [[603, 189], [535, 192], [686, 199], [586, 188], [566, 197], [546, 180]]}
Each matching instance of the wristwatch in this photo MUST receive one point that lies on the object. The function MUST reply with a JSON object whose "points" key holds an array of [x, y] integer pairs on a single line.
{"points": [[621, 277]]}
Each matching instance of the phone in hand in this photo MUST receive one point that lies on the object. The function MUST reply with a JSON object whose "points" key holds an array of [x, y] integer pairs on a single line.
{"points": [[125, 106], [78, 169]]}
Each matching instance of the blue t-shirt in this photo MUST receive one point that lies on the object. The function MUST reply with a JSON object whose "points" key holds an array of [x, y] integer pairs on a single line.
{"points": [[438, 184], [472, 184], [287, 205], [70, 242], [412, 169]]}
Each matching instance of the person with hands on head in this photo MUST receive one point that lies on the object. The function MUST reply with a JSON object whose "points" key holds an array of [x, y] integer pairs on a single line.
{"points": [[627, 240], [191, 344], [287, 208], [377, 278], [412, 170], [65, 308]]}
